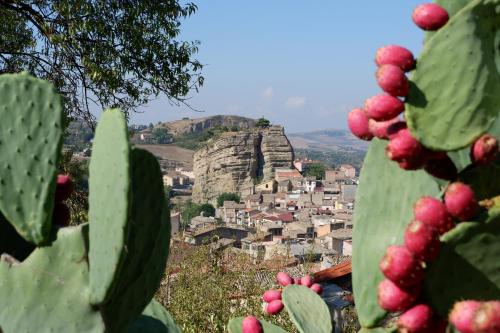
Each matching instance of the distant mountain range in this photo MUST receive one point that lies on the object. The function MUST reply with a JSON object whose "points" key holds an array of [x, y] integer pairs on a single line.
{"points": [[328, 139]]}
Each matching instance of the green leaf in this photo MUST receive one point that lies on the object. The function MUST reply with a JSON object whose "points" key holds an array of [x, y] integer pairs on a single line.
{"points": [[235, 326], [154, 319], [467, 267], [384, 202], [454, 99], [307, 310]]}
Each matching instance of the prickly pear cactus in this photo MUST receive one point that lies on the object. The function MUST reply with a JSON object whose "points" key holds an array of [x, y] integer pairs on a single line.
{"points": [[96, 277], [453, 101]]}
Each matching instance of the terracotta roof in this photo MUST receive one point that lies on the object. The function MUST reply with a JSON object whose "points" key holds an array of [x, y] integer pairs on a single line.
{"points": [[286, 217], [334, 272]]}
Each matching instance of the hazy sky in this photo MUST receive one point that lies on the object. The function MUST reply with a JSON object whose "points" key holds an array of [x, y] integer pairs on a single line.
{"points": [[300, 63]]}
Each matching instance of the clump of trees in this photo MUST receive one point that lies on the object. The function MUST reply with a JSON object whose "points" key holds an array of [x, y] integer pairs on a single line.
{"points": [[227, 197], [315, 170], [189, 209], [262, 123]]}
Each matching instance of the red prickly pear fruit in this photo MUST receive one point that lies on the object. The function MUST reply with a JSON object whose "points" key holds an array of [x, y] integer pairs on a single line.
{"points": [[284, 279], [462, 315], [403, 146], [401, 267], [296, 281], [393, 129], [251, 325], [422, 240], [418, 319], [433, 212], [380, 129], [440, 166], [271, 295], [395, 55], [306, 281], [393, 80], [393, 298], [274, 307], [460, 201], [487, 318], [383, 107], [61, 214], [317, 288], [64, 188], [484, 150], [430, 16], [358, 124]]}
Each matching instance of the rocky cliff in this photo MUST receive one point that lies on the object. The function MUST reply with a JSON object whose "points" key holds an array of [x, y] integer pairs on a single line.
{"points": [[236, 160], [198, 125]]}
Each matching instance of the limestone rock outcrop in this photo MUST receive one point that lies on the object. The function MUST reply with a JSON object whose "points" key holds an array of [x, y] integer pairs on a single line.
{"points": [[237, 160]]}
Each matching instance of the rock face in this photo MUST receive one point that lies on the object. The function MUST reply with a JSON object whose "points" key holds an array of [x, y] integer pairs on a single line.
{"points": [[237, 160], [198, 125]]}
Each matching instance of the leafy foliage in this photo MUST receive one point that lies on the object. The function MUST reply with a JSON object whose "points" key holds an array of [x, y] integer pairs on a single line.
{"points": [[160, 135], [111, 53], [196, 140], [227, 197], [211, 287], [333, 158], [315, 170], [189, 209], [262, 122]]}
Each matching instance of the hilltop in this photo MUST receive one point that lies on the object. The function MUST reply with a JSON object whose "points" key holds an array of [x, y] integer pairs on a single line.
{"points": [[199, 125]]}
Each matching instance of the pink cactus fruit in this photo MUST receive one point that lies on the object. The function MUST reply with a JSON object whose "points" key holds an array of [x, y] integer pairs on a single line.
{"points": [[433, 212], [379, 129], [317, 288], [64, 188], [393, 80], [271, 295], [357, 121], [430, 16], [418, 319], [462, 315], [440, 166], [284, 279], [422, 240], [393, 298], [61, 215], [403, 146], [274, 307], [251, 325], [401, 267], [487, 318], [383, 107], [393, 129], [484, 150], [306, 280], [395, 55], [460, 201]]}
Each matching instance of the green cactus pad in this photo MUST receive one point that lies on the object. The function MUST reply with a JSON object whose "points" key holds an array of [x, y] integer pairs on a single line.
{"points": [[377, 330], [307, 310], [484, 180], [109, 203], [454, 95], [235, 326], [384, 202], [30, 142], [154, 319], [467, 267], [147, 244], [48, 292]]}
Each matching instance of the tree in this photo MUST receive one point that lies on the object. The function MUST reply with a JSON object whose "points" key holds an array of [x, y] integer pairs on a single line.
{"points": [[160, 135], [316, 170], [227, 197], [262, 122], [109, 53], [207, 209]]}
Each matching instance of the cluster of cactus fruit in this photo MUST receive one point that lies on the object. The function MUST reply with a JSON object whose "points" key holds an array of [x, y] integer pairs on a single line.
{"points": [[99, 276], [460, 233], [300, 297]]}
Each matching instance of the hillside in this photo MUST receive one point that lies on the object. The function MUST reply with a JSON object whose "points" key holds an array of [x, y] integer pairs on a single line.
{"points": [[198, 125], [330, 139], [171, 156]]}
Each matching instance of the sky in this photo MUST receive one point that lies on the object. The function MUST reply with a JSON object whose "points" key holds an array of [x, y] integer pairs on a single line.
{"points": [[303, 64]]}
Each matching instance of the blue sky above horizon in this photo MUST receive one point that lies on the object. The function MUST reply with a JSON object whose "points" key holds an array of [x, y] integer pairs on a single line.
{"points": [[302, 64]]}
